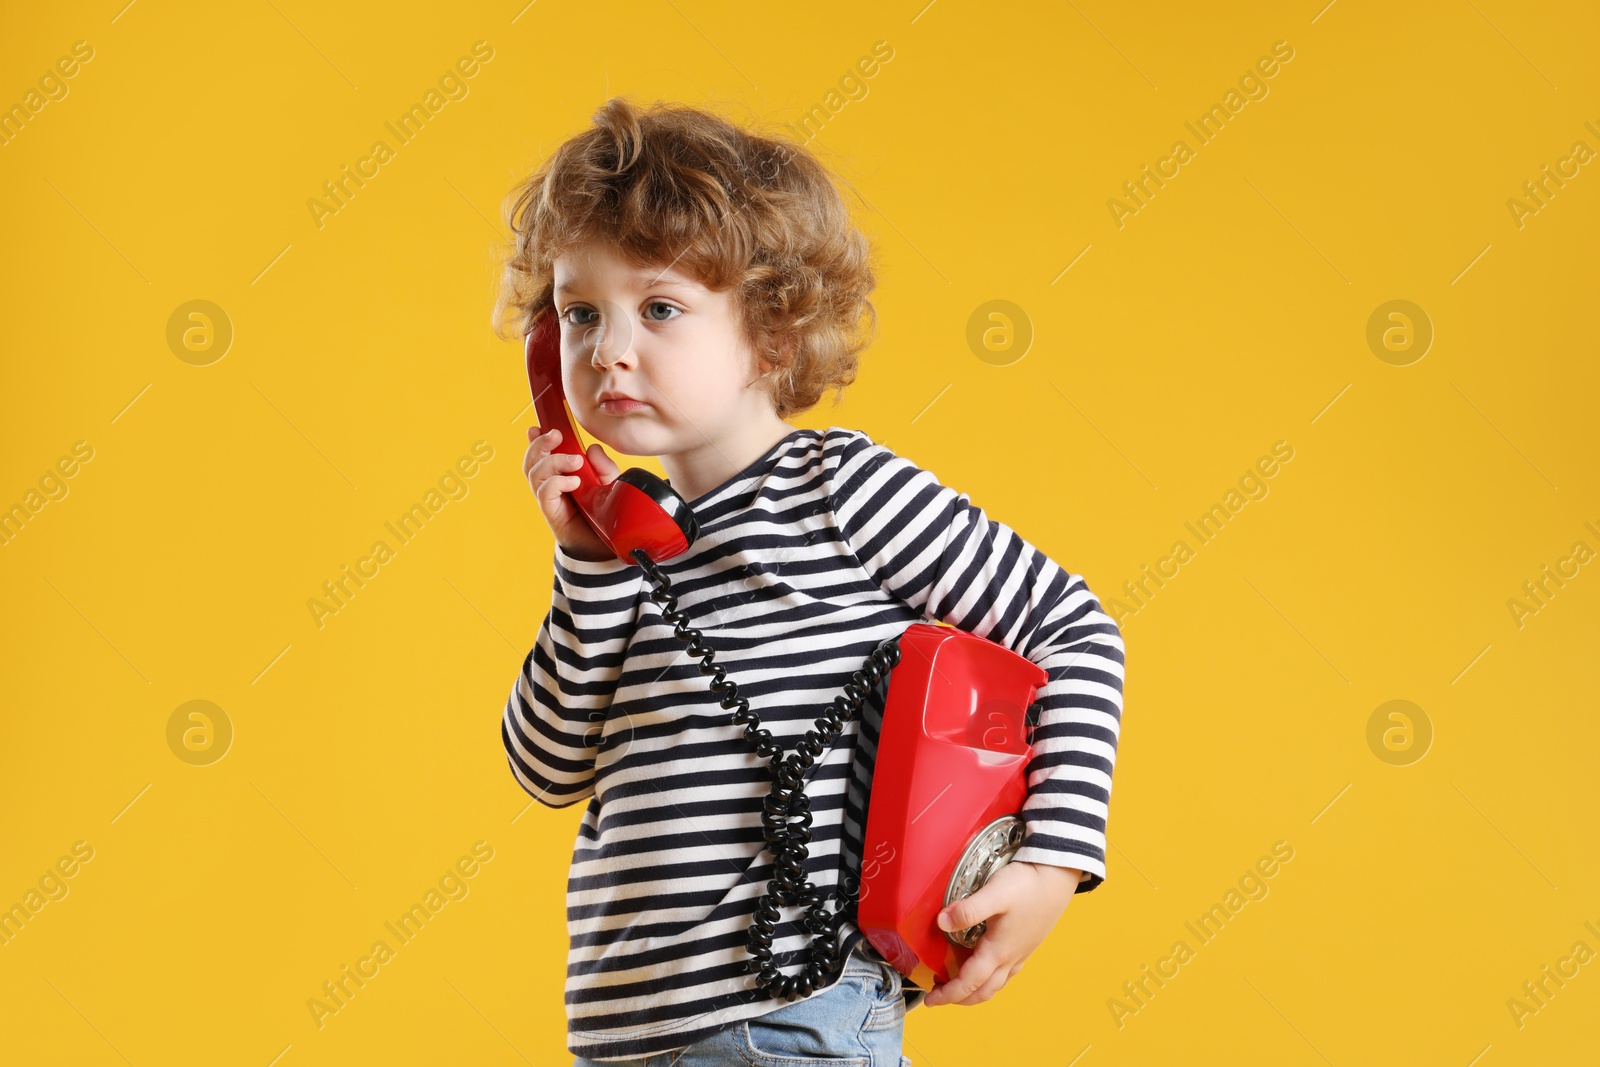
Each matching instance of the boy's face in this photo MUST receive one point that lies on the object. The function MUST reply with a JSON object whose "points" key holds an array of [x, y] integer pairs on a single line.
{"points": [[658, 336]]}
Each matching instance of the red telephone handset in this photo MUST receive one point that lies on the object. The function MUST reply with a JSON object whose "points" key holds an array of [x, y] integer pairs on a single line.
{"points": [[636, 511]]}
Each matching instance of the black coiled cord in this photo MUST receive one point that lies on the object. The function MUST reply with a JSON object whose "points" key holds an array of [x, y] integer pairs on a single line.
{"points": [[786, 814]]}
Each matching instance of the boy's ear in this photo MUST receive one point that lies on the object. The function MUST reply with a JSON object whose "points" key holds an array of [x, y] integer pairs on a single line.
{"points": [[766, 364], [785, 350]]}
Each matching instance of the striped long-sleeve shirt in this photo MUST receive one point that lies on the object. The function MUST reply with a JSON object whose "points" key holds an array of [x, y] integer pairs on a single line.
{"points": [[806, 561]]}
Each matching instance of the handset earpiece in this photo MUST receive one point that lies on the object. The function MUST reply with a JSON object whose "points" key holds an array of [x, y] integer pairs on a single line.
{"points": [[636, 511]]}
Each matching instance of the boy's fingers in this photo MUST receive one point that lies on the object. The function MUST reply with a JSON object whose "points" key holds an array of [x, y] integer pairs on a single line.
{"points": [[977, 970], [990, 987], [530, 459], [538, 448], [550, 490], [604, 465], [971, 910]]}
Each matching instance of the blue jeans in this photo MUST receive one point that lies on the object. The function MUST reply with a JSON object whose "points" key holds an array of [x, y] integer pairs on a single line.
{"points": [[859, 1021]]}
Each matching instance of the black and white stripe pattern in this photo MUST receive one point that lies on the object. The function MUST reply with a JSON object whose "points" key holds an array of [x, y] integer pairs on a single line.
{"points": [[806, 561]]}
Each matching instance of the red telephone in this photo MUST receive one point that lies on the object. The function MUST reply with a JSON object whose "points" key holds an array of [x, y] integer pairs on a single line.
{"points": [[942, 817], [953, 747]]}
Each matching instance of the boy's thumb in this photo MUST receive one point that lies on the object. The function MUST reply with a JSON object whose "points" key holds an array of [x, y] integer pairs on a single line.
{"points": [[955, 916], [604, 466]]}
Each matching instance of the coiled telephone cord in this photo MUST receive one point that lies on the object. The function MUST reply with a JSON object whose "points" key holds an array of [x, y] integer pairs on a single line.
{"points": [[786, 813]]}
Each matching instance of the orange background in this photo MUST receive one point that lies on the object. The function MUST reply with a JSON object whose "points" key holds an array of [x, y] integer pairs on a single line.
{"points": [[1170, 348]]}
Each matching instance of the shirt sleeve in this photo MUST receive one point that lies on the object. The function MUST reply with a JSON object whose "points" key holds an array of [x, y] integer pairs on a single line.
{"points": [[557, 710], [933, 549]]}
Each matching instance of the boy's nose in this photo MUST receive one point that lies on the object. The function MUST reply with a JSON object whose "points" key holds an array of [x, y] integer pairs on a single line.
{"points": [[611, 338], [605, 355], [594, 339]]}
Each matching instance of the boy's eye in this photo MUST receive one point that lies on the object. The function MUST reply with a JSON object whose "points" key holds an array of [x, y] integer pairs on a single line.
{"points": [[579, 311], [665, 318]]}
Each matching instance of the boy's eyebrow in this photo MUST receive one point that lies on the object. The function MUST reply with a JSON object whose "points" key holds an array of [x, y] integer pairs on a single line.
{"points": [[645, 279]]}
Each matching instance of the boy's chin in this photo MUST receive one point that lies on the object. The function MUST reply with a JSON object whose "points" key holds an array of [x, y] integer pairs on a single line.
{"points": [[619, 436]]}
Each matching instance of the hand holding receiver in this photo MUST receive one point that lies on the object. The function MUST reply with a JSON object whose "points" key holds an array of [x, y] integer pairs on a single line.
{"points": [[552, 477], [626, 512]]}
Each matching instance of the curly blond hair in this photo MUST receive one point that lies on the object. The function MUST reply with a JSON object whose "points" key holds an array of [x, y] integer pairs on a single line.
{"points": [[672, 184]]}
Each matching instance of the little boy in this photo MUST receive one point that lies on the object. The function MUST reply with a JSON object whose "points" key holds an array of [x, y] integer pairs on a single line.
{"points": [[709, 284]]}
